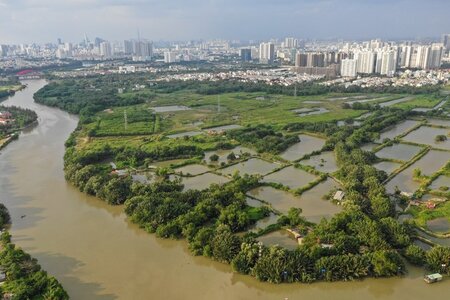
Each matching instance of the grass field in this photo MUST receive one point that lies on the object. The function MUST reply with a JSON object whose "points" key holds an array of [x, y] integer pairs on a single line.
{"points": [[246, 108], [424, 101], [10, 87]]}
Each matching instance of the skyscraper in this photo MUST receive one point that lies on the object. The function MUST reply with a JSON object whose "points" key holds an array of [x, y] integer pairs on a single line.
{"points": [[446, 41], [348, 67], [170, 57], [301, 60], [128, 47], [423, 57], [290, 43], [105, 49], [365, 61], [245, 54], [388, 63], [266, 53], [437, 51]]}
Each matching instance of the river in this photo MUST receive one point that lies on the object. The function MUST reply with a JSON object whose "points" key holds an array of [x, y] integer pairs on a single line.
{"points": [[96, 254]]}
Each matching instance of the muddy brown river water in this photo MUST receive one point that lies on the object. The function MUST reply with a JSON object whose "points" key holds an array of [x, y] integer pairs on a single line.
{"points": [[96, 254]]}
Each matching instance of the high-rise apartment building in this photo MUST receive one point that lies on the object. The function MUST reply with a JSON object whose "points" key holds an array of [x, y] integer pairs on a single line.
{"points": [[446, 41], [245, 54], [266, 52], [105, 49], [388, 63], [437, 52], [301, 60], [128, 47], [348, 67], [423, 57], [366, 60], [170, 57], [290, 43]]}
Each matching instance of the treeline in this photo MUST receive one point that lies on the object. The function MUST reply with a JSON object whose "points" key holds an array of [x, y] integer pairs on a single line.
{"points": [[300, 89], [24, 277], [263, 138]]}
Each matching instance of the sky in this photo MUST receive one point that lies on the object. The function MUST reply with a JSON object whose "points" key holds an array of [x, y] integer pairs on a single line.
{"points": [[27, 21]]}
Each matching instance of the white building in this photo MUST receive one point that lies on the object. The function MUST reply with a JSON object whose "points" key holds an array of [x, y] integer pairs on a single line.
{"points": [[388, 63], [348, 67], [365, 61], [105, 50], [266, 52], [437, 52], [290, 43], [423, 57], [170, 57]]}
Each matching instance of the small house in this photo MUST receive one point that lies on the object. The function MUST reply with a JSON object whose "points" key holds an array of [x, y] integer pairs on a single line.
{"points": [[339, 196]]}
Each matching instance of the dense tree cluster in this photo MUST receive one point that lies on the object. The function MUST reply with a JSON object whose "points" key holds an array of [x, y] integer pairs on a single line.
{"points": [[22, 117], [263, 138]]}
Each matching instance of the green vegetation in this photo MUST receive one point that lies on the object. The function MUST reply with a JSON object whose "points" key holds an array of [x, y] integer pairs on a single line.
{"points": [[425, 101], [363, 240], [18, 119], [9, 87]]}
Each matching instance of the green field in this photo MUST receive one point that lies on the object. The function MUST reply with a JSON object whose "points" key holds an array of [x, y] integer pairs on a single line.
{"points": [[424, 101]]}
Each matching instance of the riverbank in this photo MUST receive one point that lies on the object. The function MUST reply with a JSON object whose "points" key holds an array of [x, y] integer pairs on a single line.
{"points": [[96, 253], [21, 277]]}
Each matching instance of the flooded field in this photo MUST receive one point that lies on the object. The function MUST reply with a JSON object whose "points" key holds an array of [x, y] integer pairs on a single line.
{"points": [[253, 202], [280, 200], [439, 122], [251, 166], [201, 182], [170, 108], [290, 177], [306, 145], [440, 182], [426, 135], [324, 162], [279, 237], [314, 206], [224, 153], [183, 134], [423, 109], [401, 152], [192, 169], [311, 112], [396, 101], [397, 130], [439, 225], [223, 128], [387, 166], [263, 223], [428, 164]]}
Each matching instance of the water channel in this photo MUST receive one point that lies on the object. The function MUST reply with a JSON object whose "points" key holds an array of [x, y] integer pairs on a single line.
{"points": [[97, 254]]}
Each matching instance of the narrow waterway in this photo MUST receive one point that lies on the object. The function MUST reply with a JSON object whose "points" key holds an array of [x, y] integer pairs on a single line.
{"points": [[96, 254]]}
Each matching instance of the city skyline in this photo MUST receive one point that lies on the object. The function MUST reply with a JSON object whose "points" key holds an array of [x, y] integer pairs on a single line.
{"points": [[28, 21]]}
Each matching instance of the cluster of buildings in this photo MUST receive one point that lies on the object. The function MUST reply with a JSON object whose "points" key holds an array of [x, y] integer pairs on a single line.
{"points": [[408, 78], [377, 57], [278, 76], [6, 118], [314, 58]]}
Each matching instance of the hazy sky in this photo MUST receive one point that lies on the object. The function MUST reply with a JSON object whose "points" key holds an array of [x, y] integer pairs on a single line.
{"points": [[45, 20]]}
